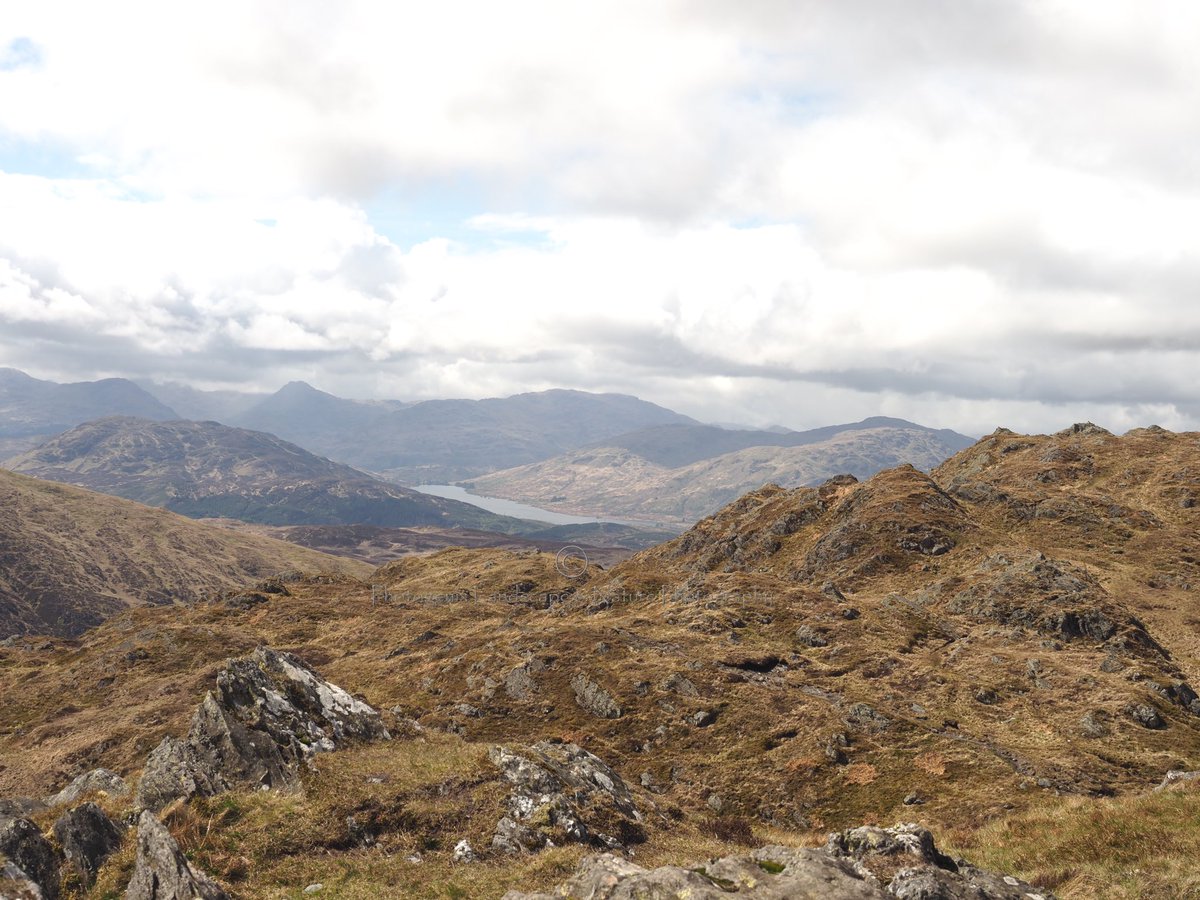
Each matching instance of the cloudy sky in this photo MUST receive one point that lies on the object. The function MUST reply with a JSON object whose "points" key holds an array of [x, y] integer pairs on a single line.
{"points": [[969, 213]]}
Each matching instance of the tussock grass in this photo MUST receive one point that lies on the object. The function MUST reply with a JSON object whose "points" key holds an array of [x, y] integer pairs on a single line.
{"points": [[1129, 848]]}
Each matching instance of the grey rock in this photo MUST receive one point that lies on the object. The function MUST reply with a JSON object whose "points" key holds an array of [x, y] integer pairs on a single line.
{"points": [[95, 781], [1177, 778], [162, 872], [594, 699], [966, 884], [464, 852], [23, 844], [680, 684], [1094, 724], [88, 837], [987, 696], [562, 794], [520, 684], [770, 873], [16, 885], [270, 714], [1112, 663], [702, 718], [16, 807], [925, 872], [715, 802], [1146, 716], [809, 637], [315, 888], [866, 716]]}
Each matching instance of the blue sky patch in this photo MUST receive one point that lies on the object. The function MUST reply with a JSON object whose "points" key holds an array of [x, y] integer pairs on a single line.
{"points": [[21, 53]]}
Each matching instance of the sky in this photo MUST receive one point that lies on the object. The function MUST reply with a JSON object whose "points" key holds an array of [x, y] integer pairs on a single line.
{"points": [[968, 213]]}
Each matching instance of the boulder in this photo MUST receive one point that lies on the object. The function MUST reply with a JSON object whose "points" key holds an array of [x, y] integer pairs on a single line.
{"points": [[26, 848], [270, 714], [88, 837], [96, 781], [162, 872], [560, 794], [594, 699]]}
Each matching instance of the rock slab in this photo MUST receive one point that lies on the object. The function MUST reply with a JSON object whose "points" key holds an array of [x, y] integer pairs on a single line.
{"points": [[162, 872]]}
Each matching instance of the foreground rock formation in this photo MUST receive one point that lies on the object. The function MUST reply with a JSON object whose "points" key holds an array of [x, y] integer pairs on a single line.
{"points": [[162, 871], [861, 864], [269, 715], [560, 794]]}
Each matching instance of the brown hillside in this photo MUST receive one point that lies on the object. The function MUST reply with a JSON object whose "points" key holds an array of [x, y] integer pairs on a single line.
{"points": [[69, 558], [1006, 640]]}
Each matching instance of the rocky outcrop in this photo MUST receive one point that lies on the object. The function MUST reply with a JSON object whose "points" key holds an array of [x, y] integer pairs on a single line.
{"points": [[594, 699], [563, 794], [269, 715], [772, 873], [906, 860], [861, 864], [93, 782], [87, 837], [24, 846], [162, 872], [1177, 779]]}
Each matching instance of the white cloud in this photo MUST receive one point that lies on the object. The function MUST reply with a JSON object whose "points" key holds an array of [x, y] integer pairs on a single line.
{"points": [[771, 211]]}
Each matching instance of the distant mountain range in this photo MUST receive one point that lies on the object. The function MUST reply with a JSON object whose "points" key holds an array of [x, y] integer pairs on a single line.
{"points": [[439, 441], [205, 469], [602, 455], [208, 470], [680, 473], [70, 558], [32, 410]]}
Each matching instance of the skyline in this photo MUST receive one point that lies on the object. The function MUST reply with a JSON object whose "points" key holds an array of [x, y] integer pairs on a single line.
{"points": [[963, 214]]}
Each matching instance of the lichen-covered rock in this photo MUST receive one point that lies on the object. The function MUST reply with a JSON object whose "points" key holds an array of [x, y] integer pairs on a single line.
{"points": [[1176, 779], [861, 864], [269, 715], [771, 873], [23, 844], [95, 781], [561, 793], [162, 872], [88, 837], [926, 873], [594, 699], [169, 773]]}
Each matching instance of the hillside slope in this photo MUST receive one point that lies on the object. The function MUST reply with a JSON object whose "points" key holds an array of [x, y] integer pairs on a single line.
{"points": [[204, 469], [680, 473], [1005, 643], [69, 558]]}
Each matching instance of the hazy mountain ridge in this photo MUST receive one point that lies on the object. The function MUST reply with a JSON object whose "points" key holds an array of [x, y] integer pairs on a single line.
{"points": [[69, 557], [437, 441], [32, 410], [681, 473]]}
